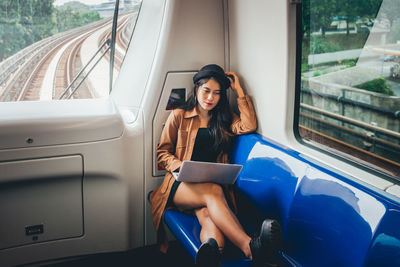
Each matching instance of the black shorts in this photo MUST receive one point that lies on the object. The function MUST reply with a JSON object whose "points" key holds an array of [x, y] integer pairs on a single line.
{"points": [[170, 201]]}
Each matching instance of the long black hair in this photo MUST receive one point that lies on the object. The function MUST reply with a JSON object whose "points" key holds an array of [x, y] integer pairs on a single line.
{"points": [[221, 117]]}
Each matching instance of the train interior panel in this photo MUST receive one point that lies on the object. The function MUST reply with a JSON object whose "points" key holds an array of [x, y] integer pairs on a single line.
{"points": [[86, 88]]}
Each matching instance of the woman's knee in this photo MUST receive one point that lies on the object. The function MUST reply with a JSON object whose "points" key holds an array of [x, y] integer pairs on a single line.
{"points": [[202, 213], [214, 192]]}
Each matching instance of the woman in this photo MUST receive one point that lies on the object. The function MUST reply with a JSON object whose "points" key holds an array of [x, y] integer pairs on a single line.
{"points": [[202, 130]]}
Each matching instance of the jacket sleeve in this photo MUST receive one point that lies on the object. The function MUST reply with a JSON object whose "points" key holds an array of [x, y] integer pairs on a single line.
{"points": [[247, 122], [166, 148]]}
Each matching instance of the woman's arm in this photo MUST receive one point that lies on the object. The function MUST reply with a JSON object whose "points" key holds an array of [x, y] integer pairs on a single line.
{"points": [[166, 147], [247, 122]]}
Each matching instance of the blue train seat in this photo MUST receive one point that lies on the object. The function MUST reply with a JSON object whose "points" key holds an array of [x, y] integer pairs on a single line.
{"points": [[327, 218]]}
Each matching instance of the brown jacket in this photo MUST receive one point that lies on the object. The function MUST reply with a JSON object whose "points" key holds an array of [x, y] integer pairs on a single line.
{"points": [[176, 145]]}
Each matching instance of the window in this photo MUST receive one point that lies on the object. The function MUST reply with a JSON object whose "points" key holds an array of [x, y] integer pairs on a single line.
{"points": [[52, 49], [349, 89]]}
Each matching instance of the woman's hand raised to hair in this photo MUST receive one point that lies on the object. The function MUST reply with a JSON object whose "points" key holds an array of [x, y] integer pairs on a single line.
{"points": [[235, 84]]}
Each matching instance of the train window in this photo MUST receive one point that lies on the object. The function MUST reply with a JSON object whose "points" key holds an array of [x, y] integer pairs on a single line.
{"points": [[60, 49], [349, 85]]}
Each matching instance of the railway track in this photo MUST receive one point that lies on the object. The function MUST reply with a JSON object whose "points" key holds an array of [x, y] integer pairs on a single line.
{"points": [[47, 71], [16, 82], [346, 150], [121, 42]]}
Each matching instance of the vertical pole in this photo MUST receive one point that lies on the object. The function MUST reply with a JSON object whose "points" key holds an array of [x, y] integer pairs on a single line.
{"points": [[113, 37]]}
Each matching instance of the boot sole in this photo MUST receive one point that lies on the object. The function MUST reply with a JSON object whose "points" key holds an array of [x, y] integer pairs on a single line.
{"points": [[208, 254], [271, 235]]}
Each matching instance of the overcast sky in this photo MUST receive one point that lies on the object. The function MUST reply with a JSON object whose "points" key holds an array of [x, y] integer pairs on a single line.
{"points": [[86, 2]]}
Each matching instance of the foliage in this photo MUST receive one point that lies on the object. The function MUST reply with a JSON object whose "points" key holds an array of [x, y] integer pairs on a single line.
{"points": [[316, 73], [42, 19], [353, 9], [319, 14], [377, 85], [74, 5], [304, 67], [74, 14], [68, 19], [342, 64], [23, 22], [321, 45], [305, 19], [351, 64], [348, 12], [12, 37], [332, 43]]}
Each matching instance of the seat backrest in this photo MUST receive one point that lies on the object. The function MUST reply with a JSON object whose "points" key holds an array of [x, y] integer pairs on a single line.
{"points": [[328, 219], [268, 180]]}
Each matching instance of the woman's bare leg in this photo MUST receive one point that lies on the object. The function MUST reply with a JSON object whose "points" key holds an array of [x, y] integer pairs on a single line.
{"points": [[208, 228], [211, 196]]}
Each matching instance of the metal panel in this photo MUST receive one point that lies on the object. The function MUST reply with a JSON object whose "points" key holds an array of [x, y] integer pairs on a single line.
{"points": [[37, 208]]}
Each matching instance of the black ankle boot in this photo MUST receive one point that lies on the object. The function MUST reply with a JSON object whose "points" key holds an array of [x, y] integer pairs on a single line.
{"points": [[265, 246], [208, 254]]}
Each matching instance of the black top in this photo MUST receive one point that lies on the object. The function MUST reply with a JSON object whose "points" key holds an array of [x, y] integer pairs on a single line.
{"points": [[203, 149]]}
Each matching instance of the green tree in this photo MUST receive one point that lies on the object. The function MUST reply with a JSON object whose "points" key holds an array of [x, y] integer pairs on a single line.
{"points": [[11, 31], [68, 19], [306, 18], [370, 8], [89, 16], [43, 19], [23, 22], [349, 10], [321, 14], [377, 85], [26, 19], [353, 9]]}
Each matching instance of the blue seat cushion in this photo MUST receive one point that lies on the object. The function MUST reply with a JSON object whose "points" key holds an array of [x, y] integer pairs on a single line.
{"points": [[186, 229]]}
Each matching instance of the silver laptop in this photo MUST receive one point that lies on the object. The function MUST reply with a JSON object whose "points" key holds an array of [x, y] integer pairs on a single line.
{"points": [[199, 172]]}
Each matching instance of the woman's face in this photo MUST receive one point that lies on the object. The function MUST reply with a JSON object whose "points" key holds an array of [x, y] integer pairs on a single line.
{"points": [[208, 95]]}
